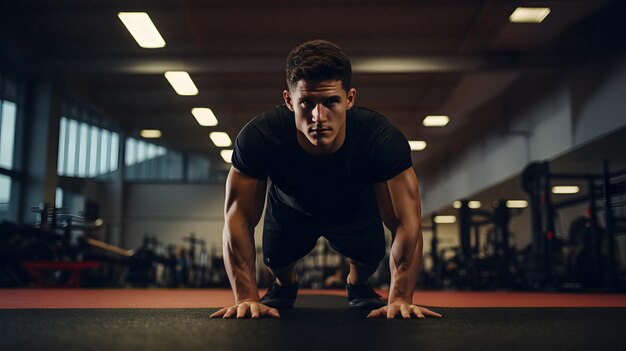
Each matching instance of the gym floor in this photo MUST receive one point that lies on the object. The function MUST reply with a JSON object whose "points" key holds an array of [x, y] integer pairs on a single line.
{"points": [[160, 319]]}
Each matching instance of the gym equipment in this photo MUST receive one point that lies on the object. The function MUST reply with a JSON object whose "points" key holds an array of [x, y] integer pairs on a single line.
{"points": [[54, 249], [487, 266], [322, 262], [431, 274], [142, 265], [588, 254], [540, 258]]}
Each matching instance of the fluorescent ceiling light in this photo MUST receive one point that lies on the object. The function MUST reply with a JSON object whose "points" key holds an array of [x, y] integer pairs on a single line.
{"points": [[474, 204], [142, 29], [565, 189], [204, 116], [445, 219], [516, 203], [417, 145], [435, 121], [181, 82], [150, 133], [529, 14], [471, 204], [220, 139], [227, 155]]}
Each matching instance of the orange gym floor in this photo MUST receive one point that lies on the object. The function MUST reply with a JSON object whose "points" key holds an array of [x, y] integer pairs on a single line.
{"points": [[211, 298]]}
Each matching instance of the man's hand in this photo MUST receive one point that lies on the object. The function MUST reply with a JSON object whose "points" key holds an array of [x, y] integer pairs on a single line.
{"points": [[404, 309], [252, 309]]}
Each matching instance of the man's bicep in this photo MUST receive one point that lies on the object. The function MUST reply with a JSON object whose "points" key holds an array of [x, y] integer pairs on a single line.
{"points": [[245, 196]]}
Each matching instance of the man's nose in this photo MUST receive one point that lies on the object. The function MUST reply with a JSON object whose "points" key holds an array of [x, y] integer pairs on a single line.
{"points": [[319, 114]]}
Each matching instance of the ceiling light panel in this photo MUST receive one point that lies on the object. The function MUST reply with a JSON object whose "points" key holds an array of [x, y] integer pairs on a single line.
{"points": [[445, 219], [181, 82], [204, 116], [474, 204], [150, 133], [529, 14], [142, 29], [227, 155], [565, 189], [516, 203], [471, 204], [417, 145], [436, 121], [220, 139]]}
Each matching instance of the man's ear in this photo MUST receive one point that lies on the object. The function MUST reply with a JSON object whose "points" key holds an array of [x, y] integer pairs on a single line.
{"points": [[288, 100], [351, 97]]}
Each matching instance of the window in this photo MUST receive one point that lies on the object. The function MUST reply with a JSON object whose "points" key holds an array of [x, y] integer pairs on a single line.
{"points": [[58, 198], [8, 112], [86, 150], [5, 194], [147, 161], [10, 140], [94, 151]]}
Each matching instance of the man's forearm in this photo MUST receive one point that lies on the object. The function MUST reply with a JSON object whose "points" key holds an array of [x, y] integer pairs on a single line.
{"points": [[239, 261], [404, 262]]}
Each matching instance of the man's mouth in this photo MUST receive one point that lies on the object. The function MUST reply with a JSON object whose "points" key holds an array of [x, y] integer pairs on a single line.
{"points": [[319, 130]]}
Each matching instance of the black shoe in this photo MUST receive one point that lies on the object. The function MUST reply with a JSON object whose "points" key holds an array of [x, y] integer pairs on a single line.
{"points": [[281, 297], [363, 296]]}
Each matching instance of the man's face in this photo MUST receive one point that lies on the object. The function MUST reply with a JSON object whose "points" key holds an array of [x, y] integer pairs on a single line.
{"points": [[320, 110]]}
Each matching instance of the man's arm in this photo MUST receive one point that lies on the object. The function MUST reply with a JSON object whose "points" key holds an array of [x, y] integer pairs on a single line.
{"points": [[399, 203], [242, 210]]}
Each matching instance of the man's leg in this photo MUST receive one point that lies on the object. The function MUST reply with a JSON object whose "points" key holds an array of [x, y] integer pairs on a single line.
{"points": [[360, 273], [362, 241], [287, 237], [284, 276], [360, 292], [284, 289]]}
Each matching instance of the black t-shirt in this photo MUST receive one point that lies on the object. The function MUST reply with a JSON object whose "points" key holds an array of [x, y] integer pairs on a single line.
{"points": [[330, 187]]}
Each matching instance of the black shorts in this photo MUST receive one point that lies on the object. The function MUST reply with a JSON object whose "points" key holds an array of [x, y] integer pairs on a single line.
{"points": [[289, 235]]}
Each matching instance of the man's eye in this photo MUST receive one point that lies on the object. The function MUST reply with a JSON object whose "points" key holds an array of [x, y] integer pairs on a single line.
{"points": [[306, 103], [333, 101]]}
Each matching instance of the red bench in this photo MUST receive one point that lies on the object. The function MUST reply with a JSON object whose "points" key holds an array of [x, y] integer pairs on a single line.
{"points": [[36, 268]]}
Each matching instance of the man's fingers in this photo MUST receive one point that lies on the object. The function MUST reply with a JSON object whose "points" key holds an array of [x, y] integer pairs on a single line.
{"points": [[417, 311], [272, 312], [219, 313], [377, 313], [255, 310], [246, 309], [430, 313], [230, 312], [406, 313], [405, 310], [242, 310], [392, 310]]}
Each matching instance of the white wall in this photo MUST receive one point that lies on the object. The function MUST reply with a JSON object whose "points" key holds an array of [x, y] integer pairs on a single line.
{"points": [[552, 126], [604, 108], [172, 212]]}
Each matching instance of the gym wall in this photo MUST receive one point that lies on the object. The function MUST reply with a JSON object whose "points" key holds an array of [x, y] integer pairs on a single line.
{"points": [[583, 107]]}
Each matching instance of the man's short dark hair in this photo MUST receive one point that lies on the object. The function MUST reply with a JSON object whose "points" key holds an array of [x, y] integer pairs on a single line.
{"points": [[318, 60]]}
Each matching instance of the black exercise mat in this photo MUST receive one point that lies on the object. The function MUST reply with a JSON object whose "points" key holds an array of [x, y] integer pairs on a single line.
{"points": [[319, 323]]}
